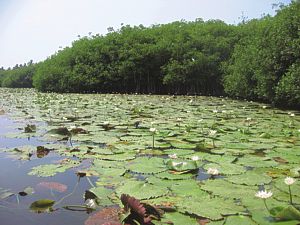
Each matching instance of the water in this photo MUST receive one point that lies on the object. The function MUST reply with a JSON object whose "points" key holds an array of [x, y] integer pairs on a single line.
{"points": [[13, 176]]}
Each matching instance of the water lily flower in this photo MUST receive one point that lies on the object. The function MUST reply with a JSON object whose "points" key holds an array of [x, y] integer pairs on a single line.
{"points": [[195, 158], [152, 130], [91, 203], [215, 111], [264, 194], [292, 114], [213, 171], [289, 180], [264, 106], [173, 156], [178, 119], [212, 132], [248, 119]]}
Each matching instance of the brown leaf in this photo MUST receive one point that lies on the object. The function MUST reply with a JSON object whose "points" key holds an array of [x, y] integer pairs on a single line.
{"points": [[106, 216], [133, 204], [54, 186]]}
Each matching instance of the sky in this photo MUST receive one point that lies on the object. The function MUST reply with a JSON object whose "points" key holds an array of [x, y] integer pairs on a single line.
{"points": [[36, 29]]}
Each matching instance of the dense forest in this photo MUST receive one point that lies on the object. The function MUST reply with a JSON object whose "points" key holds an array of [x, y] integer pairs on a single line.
{"points": [[257, 59]]}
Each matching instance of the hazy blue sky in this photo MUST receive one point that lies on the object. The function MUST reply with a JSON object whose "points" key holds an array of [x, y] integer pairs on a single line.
{"points": [[34, 29]]}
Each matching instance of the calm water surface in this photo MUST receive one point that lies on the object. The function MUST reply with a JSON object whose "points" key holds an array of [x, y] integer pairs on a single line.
{"points": [[13, 176]]}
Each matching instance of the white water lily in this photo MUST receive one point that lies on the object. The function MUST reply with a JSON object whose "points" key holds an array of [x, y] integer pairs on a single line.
{"points": [[289, 180], [215, 111], [91, 203], [212, 132], [213, 171], [264, 106], [152, 130], [264, 194], [292, 114], [178, 119], [173, 156], [195, 158], [248, 119]]}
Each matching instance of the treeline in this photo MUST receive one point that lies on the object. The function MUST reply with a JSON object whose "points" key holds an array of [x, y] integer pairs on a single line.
{"points": [[257, 59], [20, 76], [181, 57]]}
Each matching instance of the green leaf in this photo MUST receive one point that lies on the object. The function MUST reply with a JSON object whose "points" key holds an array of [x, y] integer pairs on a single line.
{"points": [[141, 190], [250, 178], [285, 213], [42, 205], [181, 165], [147, 165]]}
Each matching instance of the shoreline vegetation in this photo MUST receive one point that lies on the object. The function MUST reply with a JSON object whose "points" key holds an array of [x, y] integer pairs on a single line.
{"points": [[257, 59]]}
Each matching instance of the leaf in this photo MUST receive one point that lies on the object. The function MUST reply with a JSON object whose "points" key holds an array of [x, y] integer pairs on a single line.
{"points": [[102, 195], [226, 168], [30, 128], [147, 165], [49, 170], [4, 193], [42, 205], [223, 188], [27, 191], [105, 216], [181, 165], [176, 218], [250, 178], [60, 131], [239, 220], [211, 208], [141, 190], [53, 186], [285, 213]]}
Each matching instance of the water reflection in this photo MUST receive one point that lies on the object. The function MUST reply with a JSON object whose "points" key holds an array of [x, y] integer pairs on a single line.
{"points": [[13, 176]]}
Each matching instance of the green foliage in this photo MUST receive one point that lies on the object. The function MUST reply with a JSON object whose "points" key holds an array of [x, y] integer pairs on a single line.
{"points": [[141, 190], [287, 90], [18, 77], [265, 61], [179, 57]]}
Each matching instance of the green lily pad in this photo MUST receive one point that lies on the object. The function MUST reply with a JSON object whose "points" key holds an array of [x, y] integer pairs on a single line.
{"points": [[42, 205], [141, 190], [147, 165]]}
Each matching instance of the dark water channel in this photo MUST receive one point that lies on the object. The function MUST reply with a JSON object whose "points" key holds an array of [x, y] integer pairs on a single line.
{"points": [[13, 176]]}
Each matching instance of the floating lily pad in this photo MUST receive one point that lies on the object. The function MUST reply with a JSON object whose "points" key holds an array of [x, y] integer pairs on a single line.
{"points": [[141, 190], [147, 165], [49, 170], [42, 205], [250, 178]]}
